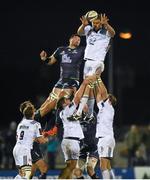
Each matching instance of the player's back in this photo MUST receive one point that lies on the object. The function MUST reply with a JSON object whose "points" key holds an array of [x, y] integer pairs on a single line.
{"points": [[105, 119], [71, 128], [27, 131]]}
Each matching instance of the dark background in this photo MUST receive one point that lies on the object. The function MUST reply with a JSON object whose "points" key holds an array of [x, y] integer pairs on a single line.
{"points": [[27, 27]]}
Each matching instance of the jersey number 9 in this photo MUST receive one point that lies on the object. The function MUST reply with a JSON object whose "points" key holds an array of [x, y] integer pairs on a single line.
{"points": [[21, 135]]}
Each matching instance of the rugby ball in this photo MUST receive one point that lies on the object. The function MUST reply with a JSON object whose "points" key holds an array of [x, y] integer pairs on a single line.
{"points": [[91, 15]]}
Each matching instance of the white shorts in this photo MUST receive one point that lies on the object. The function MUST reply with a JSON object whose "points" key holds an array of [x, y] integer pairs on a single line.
{"points": [[90, 67], [70, 148], [106, 146], [22, 155]]}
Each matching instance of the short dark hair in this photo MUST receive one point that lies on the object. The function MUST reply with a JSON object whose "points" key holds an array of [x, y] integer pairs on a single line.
{"points": [[112, 99], [75, 35]]}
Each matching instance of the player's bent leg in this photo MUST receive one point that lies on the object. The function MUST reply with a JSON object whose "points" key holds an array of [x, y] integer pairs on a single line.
{"points": [[33, 170], [43, 167], [92, 161], [105, 168], [52, 96], [83, 101], [51, 101], [78, 172], [68, 170], [20, 175], [90, 103]]}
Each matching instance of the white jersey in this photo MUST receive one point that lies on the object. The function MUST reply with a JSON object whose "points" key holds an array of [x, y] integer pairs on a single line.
{"points": [[27, 131], [96, 43], [105, 119], [71, 128]]}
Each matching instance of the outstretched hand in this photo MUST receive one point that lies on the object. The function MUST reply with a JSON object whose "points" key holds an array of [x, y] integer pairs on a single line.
{"points": [[104, 19], [84, 21]]}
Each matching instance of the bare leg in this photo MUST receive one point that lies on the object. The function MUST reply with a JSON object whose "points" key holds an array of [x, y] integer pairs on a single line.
{"points": [[51, 101], [68, 170]]}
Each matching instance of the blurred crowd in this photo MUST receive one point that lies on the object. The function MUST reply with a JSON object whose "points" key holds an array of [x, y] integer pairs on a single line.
{"points": [[135, 148]]}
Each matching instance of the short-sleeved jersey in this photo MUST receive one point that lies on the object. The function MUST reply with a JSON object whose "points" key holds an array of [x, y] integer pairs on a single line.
{"points": [[70, 61], [27, 131], [97, 43], [105, 119], [71, 128]]}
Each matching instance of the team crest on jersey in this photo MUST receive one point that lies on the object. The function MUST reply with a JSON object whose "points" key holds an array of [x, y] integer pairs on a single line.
{"points": [[66, 58], [62, 53], [74, 51]]}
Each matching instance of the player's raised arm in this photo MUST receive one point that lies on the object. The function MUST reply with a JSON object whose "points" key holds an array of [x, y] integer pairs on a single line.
{"points": [[79, 93], [48, 60], [108, 27], [84, 22]]}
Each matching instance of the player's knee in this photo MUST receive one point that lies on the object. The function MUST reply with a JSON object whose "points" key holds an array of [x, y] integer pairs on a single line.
{"points": [[78, 172], [104, 163]]}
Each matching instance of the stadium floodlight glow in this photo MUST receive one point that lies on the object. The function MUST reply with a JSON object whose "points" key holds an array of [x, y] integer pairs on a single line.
{"points": [[125, 35]]}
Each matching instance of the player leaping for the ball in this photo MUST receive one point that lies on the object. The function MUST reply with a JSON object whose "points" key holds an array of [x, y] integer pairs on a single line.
{"points": [[98, 36], [70, 58]]}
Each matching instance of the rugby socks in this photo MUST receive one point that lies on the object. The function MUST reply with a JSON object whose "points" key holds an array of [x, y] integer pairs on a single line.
{"points": [[90, 104], [112, 175], [81, 105], [106, 174]]}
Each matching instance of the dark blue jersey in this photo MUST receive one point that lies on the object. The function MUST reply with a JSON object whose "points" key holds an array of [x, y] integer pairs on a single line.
{"points": [[89, 131], [70, 61]]}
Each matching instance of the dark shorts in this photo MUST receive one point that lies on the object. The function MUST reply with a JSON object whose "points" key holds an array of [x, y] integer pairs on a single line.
{"points": [[36, 153], [67, 84], [88, 150]]}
